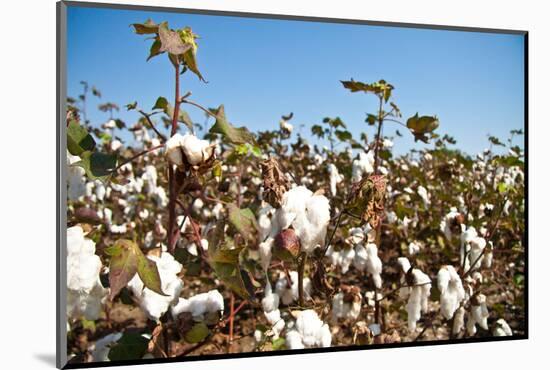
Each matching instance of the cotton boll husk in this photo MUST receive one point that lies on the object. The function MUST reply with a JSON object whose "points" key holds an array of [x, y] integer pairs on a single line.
{"points": [[199, 305], [153, 304], [502, 329]]}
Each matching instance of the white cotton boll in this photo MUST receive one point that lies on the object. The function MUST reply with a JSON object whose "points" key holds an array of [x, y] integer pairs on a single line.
{"points": [[417, 298], [404, 263], [100, 349], [308, 214], [478, 315], [318, 159], [335, 178], [277, 323], [414, 248], [160, 197], [265, 251], [270, 302], [356, 236], [428, 157], [374, 264], [217, 211], [99, 190], [150, 177], [285, 126], [153, 304], [195, 150], [477, 245], [488, 257], [309, 332], [199, 305], [452, 291], [143, 214], [342, 258], [423, 193], [502, 329], [110, 124], [116, 145], [364, 165], [290, 294], [76, 183], [458, 322], [345, 310], [265, 220], [387, 143], [258, 336]]}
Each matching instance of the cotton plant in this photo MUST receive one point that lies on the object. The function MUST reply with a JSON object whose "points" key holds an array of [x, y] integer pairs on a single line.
{"points": [[308, 331]]}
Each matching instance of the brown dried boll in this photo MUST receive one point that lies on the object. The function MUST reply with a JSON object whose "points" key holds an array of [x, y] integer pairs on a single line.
{"points": [[275, 182], [367, 199], [287, 245]]}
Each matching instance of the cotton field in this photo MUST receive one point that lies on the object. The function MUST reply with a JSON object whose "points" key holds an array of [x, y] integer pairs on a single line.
{"points": [[182, 243]]}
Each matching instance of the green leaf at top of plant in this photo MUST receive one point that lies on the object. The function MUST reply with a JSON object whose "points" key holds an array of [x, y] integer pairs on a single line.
{"points": [[162, 103], [197, 333], [190, 57], [130, 346], [235, 135], [422, 124], [371, 119], [79, 139], [131, 106], [98, 166], [380, 88], [244, 221]]}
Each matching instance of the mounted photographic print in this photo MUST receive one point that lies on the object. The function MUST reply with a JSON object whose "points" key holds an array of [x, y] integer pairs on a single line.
{"points": [[234, 184]]}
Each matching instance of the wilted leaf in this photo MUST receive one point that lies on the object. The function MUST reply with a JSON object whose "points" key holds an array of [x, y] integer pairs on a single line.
{"points": [[130, 346], [244, 221], [235, 135], [98, 165], [146, 28], [197, 333], [171, 41], [78, 139]]}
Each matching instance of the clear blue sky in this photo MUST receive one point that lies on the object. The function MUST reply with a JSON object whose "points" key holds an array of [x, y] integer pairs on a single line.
{"points": [[261, 69]]}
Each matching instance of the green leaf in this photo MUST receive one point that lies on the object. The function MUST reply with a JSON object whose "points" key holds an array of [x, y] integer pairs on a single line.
{"points": [[148, 272], [278, 344], [162, 103], [155, 49], [170, 41], [502, 188], [256, 151], [190, 57], [371, 119], [97, 165], [423, 124], [131, 106], [123, 265], [197, 333], [380, 88], [343, 135], [317, 131], [244, 221], [235, 135], [223, 257], [79, 139], [130, 346], [146, 28]]}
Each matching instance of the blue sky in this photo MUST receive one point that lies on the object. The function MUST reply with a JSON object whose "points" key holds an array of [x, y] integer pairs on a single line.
{"points": [[261, 69]]}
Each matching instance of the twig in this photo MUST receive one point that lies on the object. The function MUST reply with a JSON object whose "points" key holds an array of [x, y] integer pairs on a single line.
{"points": [[148, 118], [137, 156]]}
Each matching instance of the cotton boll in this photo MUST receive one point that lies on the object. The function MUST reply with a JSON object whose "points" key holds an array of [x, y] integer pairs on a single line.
{"points": [[265, 250], [153, 304], [76, 183], [195, 150], [309, 332], [85, 294], [116, 145], [100, 349], [286, 127], [364, 165], [452, 291], [356, 236], [346, 310], [477, 245], [423, 193], [335, 178], [307, 213], [217, 211], [502, 329], [342, 258], [413, 248], [199, 305], [449, 224], [374, 264], [265, 220], [458, 322], [418, 295], [270, 302], [290, 294], [478, 314], [277, 323]]}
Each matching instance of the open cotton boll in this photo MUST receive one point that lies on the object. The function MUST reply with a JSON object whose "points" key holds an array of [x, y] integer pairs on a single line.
{"points": [[100, 349], [308, 332], [265, 251], [116, 145], [366, 258], [346, 310], [449, 223], [502, 329], [76, 183], [270, 305], [307, 213], [290, 294], [199, 305], [356, 236], [452, 291], [418, 295], [414, 248], [342, 258], [265, 219], [423, 193], [477, 245], [153, 304], [335, 178], [285, 126], [270, 302], [85, 294], [478, 314], [195, 150], [364, 165]]}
